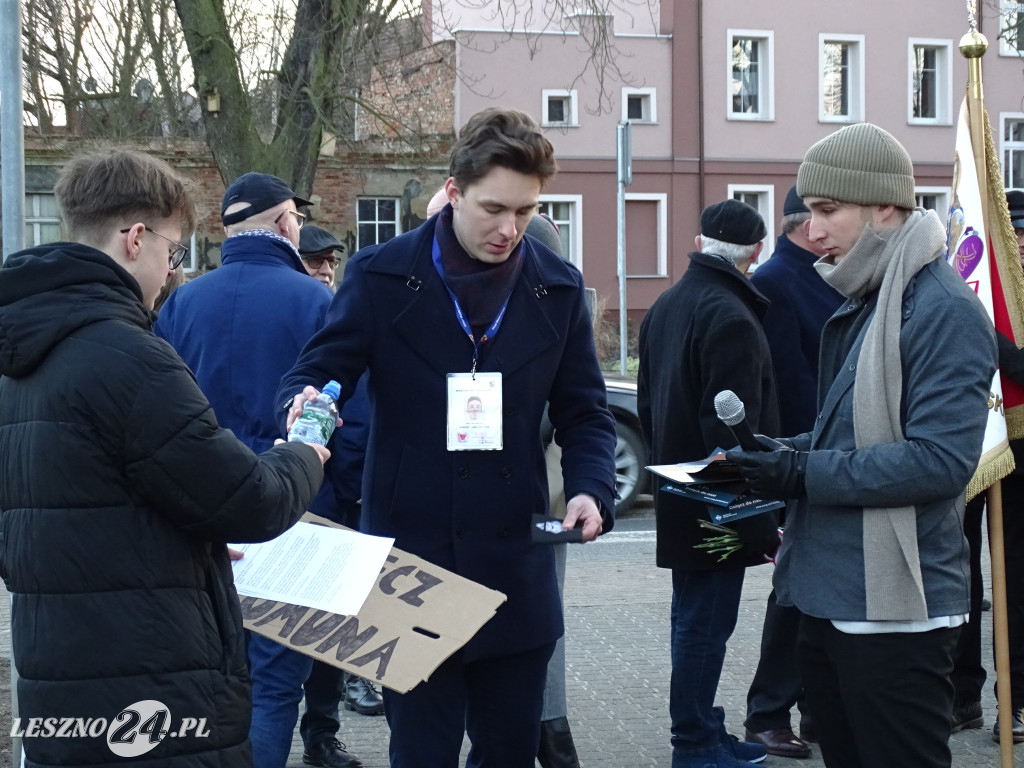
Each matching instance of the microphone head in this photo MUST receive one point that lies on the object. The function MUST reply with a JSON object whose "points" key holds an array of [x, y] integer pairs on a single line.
{"points": [[729, 408]]}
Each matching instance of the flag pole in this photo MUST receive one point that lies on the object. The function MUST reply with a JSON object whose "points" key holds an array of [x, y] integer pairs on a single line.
{"points": [[973, 46]]}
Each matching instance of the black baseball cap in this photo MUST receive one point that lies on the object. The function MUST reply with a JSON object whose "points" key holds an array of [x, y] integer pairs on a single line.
{"points": [[261, 191], [314, 240], [733, 222], [1015, 202]]}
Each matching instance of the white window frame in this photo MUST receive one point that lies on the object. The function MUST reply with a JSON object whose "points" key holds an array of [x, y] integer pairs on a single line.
{"points": [[661, 198], [1007, 146], [1007, 9], [35, 219], [650, 101], [857, 77], [765, 75], [560, 93], [767, 213], [575, 227], [942, 193], [397, 222], [943, 85]]}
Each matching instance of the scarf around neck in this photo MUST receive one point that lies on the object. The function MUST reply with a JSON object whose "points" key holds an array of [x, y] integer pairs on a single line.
{"points": [[480, 288], [886, 261]]}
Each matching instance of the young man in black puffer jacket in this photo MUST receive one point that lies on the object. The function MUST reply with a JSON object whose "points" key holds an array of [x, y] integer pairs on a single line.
{"points": [[120, 491]]}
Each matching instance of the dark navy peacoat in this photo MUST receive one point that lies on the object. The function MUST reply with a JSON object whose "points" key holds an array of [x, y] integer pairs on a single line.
{"points": [[469, 511]]}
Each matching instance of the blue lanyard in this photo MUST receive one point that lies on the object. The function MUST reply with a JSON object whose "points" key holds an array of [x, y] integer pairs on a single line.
{"points": [[492, 329]]}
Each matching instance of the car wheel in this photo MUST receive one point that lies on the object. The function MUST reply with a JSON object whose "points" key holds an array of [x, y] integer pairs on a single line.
{"points": [[629, 466]]}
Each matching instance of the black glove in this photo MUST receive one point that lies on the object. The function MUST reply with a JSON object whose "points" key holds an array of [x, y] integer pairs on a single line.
{"points": [[775, 474], [759, 533], [771, 444]]}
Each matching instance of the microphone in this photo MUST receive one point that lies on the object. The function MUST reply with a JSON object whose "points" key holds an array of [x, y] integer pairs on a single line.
{"points": [[732, 413]]}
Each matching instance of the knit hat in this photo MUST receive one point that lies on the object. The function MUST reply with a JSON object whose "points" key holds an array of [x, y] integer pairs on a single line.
{"points": [[794, 203], [860, 164]]}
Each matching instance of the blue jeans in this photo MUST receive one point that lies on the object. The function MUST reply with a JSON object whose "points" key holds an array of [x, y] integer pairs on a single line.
{"points": [[277, 676], [705, 605]]}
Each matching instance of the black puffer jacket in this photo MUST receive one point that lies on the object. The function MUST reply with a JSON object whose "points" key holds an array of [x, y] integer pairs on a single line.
{"points": [[118, 492]]}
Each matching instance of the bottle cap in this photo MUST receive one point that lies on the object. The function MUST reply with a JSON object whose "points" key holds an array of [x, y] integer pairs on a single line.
{"points": [[332, 388]]}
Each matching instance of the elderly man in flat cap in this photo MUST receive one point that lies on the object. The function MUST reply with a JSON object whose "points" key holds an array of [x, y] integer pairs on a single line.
{"points": [[318, 250], [702, 336]]}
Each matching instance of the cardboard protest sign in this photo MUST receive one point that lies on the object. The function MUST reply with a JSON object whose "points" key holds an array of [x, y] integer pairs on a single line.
{"points": [[416, 616]]}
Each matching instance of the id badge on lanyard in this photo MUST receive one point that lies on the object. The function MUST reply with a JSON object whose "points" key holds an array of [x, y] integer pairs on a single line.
{"points": [[474, 412]]}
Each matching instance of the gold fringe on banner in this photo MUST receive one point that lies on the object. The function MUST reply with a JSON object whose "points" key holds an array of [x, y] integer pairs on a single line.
{"points": [[995, 466]]}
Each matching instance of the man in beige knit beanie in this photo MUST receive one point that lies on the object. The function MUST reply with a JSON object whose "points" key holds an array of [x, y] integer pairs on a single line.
{"points": [[874, 555]]}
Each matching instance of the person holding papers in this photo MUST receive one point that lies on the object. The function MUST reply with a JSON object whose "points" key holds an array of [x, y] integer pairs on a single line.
{"points": [[120, 488], [874, 554], [703, 336], [466, 305]]}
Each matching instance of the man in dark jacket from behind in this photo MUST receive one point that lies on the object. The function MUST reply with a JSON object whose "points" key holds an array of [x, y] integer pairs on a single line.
{"points": [[120, 490], [702, 336]]}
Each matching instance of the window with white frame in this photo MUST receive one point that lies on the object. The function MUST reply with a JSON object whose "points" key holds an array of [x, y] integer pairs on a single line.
{"points": [[42, 219], [1011, 28], [377, 220], [762, 198], [1011, 147], [639, 105], [566, 212], [559, 107], [841, 78], [646, 234], [933, 199], [930, 72], [751, 61]]}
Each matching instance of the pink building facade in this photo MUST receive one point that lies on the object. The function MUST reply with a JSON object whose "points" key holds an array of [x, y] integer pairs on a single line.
{"points": [[723, 99]]}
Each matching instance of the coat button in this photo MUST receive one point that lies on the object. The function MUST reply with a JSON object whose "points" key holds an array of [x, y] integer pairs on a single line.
{"points": [[853, 367], [463, 473], [509, 410], [506, 473], [503, 533], [460, 532]]}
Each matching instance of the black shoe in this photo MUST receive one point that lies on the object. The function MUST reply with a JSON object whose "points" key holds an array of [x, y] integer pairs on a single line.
{"points": [[1018, 727], [362, 697], [330, 754], [556, 749], [966, 714], [986, 604]]}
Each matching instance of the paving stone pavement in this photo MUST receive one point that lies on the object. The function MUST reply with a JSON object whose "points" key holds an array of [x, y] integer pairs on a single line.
{"points": [[617, 666], [617, 617]]}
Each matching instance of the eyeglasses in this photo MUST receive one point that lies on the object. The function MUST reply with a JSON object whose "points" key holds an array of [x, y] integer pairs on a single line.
{"points": [[315, 262], [174, 257], [300, 218]]}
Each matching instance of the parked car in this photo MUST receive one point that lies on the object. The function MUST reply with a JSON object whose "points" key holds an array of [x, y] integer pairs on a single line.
{"points": [[631, 479]]}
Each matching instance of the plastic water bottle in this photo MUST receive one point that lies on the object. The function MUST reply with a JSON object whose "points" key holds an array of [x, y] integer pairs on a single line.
{"points": [[319, 417]]}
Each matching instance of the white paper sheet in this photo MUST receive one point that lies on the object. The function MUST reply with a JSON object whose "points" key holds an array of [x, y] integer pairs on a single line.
{"points": [[312, 565]]}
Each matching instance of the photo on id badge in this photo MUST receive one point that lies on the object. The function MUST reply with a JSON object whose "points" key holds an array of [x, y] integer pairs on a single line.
{"points": [[474, 412]]}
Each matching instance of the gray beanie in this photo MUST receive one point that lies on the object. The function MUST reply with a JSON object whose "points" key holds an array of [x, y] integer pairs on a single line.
{"points": [[860, 164]]}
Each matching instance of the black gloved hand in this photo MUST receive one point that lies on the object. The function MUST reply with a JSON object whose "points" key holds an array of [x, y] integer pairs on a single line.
{"points": [[771, 444], [759, 533], [775, 474]]}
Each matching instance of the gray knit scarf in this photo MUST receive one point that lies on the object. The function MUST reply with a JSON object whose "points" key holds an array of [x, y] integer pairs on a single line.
{"points": [[886, 260]]}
